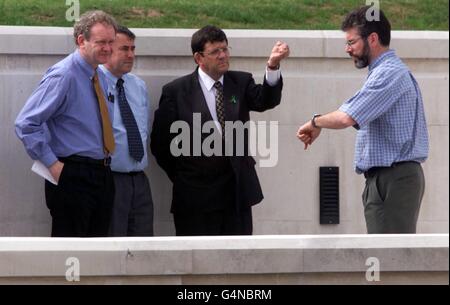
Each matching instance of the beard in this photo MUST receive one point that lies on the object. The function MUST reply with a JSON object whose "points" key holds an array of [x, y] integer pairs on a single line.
{"points": [[362, 61]]}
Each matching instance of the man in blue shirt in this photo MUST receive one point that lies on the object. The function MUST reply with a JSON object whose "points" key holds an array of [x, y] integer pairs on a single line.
{"points": [[392, 137], [133, 206], [65, 125]]}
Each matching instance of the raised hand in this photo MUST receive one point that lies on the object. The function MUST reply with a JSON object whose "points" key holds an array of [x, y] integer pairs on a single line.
{"points": [[279, 52]]}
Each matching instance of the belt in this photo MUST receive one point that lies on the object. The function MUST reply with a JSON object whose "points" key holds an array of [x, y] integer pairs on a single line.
{"points": [[129, 173], [373, 170], [86, 160]]}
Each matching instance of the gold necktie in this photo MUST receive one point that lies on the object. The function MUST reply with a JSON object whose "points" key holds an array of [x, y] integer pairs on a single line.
{"points": [[108, 137]]}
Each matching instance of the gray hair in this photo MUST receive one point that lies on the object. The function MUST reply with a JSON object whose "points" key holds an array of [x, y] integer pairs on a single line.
{"points": [[88, 20]]}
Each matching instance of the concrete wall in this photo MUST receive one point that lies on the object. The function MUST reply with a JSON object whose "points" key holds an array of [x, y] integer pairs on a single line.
{"points": [[257, 260], [318, 77]]}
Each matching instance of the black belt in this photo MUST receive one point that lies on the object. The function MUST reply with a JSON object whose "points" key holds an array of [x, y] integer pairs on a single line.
{"points": [[86, 160], [373, 170], [129, 173]]}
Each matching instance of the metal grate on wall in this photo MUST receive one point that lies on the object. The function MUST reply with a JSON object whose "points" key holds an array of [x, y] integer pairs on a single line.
{"points": [[329, 195]]}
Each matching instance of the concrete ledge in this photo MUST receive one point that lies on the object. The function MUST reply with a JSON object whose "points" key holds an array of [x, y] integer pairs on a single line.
{"points": [[302, 259], [245, 43]]}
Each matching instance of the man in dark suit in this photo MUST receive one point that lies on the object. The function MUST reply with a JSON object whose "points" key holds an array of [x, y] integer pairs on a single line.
{"points": [[213, 194]]}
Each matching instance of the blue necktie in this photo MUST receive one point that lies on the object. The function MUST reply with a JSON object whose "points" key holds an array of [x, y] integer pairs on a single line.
{"points": [[135, 146]]}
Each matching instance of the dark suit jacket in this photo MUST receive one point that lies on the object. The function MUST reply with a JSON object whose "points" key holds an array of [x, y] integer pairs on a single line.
{"points": [[202, 182]]}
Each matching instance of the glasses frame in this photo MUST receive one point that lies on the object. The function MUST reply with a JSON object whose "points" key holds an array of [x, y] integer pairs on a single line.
{"points": [[351, 43], [217, 52]]}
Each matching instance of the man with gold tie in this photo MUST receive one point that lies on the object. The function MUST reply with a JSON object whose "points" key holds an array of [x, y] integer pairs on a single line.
{"points": [[66, 125]]}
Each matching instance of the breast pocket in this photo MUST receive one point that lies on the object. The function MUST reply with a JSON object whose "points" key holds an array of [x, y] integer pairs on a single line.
{"points": [[141, 115]]}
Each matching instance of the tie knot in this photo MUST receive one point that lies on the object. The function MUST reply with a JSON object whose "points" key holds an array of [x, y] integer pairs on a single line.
{"points": [[95, 76], [119, 82], [218, 85]]}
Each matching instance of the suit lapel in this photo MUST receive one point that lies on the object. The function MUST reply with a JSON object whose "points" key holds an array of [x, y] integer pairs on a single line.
{"points": [[230, 95]]}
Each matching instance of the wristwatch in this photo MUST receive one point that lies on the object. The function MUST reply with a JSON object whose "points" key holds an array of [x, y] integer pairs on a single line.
{"points": [[313, 120]]}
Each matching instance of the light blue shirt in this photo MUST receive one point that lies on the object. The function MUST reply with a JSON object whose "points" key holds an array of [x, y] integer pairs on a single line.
{"points": [[390, 114], [138, 99], [62, 116]]}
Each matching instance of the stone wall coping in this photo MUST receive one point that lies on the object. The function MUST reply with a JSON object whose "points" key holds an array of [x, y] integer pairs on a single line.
{"points": [[333, 241], [245, 43]]}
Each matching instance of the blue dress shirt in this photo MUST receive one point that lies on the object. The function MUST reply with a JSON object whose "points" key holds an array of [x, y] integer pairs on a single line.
{"points": [[390, 114], [62, 116], [138, 99]]}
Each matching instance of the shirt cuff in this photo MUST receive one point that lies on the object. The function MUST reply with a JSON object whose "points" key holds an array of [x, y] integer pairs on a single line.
{"points": [[272, 77], [48, 159]]}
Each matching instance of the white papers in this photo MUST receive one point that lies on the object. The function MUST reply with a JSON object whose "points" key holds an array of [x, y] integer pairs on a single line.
{"points": [[43, 171]]}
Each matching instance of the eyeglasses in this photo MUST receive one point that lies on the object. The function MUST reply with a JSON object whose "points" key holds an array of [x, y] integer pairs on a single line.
{"points": [[217, 52], [350, 43]]}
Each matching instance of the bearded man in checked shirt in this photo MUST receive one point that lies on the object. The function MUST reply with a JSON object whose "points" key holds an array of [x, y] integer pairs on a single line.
{"points": [[392, 139]]}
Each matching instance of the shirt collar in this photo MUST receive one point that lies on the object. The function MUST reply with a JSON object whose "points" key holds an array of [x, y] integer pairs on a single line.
{"points": [[112, 79], [380, 59], [84, 65], [207, 80]]}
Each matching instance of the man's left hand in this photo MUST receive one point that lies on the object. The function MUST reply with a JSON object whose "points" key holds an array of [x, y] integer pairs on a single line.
{"points": [[279, 52]]}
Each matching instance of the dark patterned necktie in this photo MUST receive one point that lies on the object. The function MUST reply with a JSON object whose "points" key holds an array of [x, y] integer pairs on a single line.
{"points": [[219, 105], [135, 146]]}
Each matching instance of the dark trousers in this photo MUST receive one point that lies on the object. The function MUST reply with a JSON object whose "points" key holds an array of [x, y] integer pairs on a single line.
{"points": [[222, 222], [392, 198], [133, 205], [80, 205], [212, 209]]}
